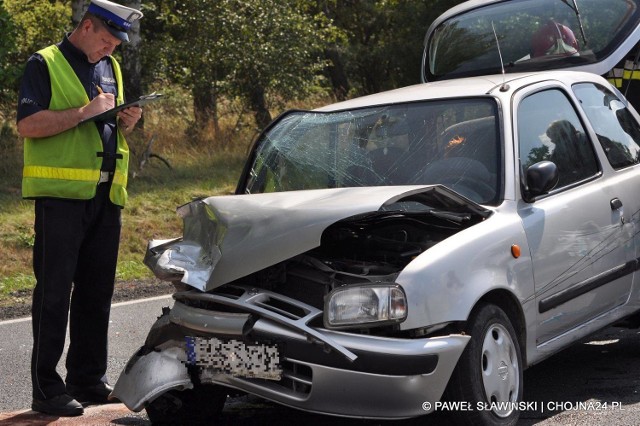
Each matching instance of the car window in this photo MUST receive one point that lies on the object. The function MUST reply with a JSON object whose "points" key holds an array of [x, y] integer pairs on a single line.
{"points": [[616, 128], [549, 129], [531, 35], [455, 143]]}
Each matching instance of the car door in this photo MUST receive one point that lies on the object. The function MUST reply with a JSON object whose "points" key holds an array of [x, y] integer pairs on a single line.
{"points": [[617, 129], [581, 242]]}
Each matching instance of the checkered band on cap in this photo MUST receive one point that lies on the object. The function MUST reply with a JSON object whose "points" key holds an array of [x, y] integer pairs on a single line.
{"points": [[117, 17]]}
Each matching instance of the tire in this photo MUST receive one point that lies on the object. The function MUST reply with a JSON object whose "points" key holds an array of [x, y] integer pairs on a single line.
{"points": [[488, 376], [198, 406]]}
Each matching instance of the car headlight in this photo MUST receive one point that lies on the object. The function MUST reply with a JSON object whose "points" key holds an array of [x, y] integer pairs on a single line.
{"points": [[369, 306]]}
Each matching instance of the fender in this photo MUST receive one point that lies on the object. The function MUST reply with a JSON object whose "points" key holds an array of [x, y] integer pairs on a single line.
{"points": [[148, 375]]}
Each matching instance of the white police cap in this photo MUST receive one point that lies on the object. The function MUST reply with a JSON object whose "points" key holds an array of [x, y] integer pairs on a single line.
{"points": [[116, 17]]}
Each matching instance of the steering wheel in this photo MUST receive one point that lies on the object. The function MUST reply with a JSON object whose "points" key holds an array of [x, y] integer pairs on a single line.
{"points": [[466, 176]]}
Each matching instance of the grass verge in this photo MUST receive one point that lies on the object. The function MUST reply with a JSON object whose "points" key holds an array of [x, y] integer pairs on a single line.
{"points": [[150, 213], [197, 169]]}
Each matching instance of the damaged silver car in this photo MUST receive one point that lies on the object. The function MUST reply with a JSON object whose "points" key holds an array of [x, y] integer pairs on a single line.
{"points": [[420, 245]]}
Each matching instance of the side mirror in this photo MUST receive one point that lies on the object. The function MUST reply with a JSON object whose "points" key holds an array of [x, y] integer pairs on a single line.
{"points": [[542, 177]]}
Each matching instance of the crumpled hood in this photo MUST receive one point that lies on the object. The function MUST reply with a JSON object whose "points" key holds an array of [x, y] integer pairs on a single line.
{"points": [[228, 237]]}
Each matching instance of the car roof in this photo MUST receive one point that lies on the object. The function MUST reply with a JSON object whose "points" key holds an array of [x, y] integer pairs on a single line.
{"points": [[480, 86]]}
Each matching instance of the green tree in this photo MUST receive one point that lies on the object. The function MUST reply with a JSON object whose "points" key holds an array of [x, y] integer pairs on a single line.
{"points": [[9, 69], [276, 50], [260, 51], [384, 40], [26, 28], [39, 23]]}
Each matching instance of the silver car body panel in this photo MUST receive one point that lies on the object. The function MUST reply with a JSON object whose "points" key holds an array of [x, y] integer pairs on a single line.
{"points": [[439, 292], [241, 234], [393, 396], [150, 375], [360, 394]]}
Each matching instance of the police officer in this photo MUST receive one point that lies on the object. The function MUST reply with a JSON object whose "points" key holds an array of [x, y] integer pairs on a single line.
{"points": [[76, 171]]}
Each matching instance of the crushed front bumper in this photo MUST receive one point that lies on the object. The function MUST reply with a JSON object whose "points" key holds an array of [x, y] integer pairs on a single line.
{"points": [[323, 371]]}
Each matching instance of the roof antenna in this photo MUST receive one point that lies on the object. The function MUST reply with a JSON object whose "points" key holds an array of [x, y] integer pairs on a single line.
{"points": [[504, 87]]}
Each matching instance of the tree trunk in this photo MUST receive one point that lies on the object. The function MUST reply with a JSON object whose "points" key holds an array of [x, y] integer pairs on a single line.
{"points": [[258, 104], [131, 64], [205, 107], [77, 10], [337, 75]]}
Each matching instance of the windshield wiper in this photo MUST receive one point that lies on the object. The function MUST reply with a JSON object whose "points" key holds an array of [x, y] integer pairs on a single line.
{"points": [[440, 214], [574, 7], [454, 217]]}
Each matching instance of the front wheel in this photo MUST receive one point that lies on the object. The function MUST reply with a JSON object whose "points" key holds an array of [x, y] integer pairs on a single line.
{"points": [[198, 406], [488, 377]]}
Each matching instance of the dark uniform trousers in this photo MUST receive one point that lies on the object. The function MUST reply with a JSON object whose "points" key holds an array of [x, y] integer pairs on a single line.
{"points": [[74, 261]]}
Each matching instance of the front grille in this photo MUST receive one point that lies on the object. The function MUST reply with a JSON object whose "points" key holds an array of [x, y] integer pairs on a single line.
{"points": [[284, 311], [281, 307], [296, 379], [223, 298]]}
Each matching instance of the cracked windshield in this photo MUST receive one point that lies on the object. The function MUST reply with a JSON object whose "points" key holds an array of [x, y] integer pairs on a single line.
{"points": [[454, 143]]}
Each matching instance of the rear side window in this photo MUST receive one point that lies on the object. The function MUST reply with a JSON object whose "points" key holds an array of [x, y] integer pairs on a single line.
{"points": [[549, 130], [616, 128]]}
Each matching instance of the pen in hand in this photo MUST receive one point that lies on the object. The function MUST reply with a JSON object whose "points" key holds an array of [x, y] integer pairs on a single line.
{"points": [[99, 89]]}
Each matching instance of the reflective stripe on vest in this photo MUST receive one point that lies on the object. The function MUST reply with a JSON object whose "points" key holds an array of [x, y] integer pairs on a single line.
{"points": [[42, 172]]}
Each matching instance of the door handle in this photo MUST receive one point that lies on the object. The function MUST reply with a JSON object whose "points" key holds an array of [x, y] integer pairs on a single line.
{"points": [[615, 203]]}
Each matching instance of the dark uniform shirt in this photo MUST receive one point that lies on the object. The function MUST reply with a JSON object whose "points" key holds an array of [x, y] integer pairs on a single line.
{"points": [[35, 91]]}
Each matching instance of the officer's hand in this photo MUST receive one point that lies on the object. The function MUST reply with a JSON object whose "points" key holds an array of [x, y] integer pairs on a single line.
{"points": [[129, 117], [101, 103]]}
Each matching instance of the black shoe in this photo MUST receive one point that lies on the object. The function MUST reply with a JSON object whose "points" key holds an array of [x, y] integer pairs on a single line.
{"points": [[96, 394], [61, 405]]}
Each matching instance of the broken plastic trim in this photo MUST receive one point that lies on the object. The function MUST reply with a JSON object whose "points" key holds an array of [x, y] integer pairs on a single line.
{"points": [[251, 301]]}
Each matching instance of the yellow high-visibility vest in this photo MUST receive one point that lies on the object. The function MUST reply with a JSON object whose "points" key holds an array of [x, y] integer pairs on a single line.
{"points": [[67, 165]]}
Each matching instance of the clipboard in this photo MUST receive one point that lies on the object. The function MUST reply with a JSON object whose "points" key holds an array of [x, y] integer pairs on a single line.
{"points": [[141, 101]]}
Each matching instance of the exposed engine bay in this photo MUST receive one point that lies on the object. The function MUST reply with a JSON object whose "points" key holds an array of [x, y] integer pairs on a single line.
{"points": [[371, 248]]}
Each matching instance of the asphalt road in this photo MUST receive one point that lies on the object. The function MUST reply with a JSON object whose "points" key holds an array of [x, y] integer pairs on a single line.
{"points": [[130, 322], [594, 382]]}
